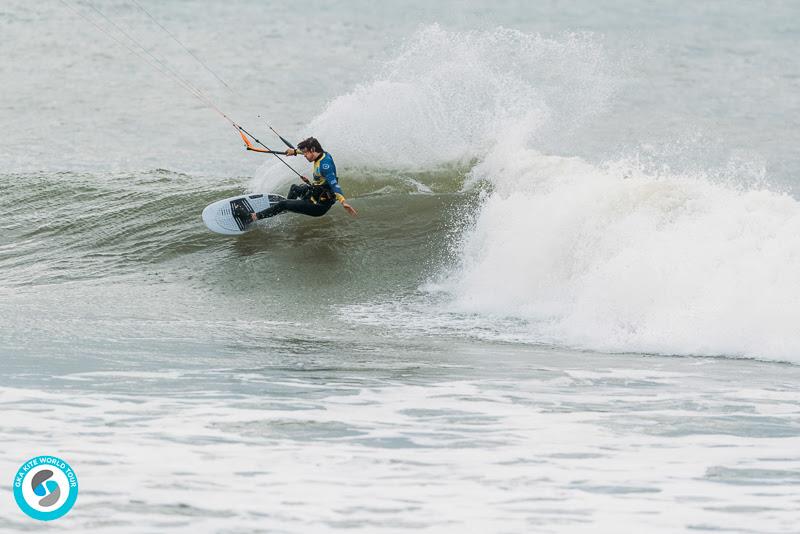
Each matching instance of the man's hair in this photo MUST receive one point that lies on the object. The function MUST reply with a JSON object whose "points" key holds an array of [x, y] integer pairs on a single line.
{"points": [[310, 144]]}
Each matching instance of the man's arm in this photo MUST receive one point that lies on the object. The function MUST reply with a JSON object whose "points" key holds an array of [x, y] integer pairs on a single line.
{"points": [[330, 176]]}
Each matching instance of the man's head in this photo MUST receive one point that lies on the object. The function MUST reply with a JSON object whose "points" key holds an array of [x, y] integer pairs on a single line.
{"points": [[310, 148]]}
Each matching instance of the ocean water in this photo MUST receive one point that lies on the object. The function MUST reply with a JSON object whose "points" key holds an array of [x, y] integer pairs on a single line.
{"points": [[569, 302]]}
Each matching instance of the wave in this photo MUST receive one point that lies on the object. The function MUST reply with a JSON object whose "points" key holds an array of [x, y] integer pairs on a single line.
{"points": [[615, 259], [68, 226], [603, 256], [79, 226]]}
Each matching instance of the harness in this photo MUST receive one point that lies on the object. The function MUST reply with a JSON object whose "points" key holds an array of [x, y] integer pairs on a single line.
{"points": [[320, 191]]}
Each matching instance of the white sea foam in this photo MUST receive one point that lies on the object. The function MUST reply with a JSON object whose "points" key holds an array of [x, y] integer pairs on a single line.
{"points": [[614, 259], [565, 444]]}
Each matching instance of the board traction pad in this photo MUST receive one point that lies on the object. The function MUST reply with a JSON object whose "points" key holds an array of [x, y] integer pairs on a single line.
{"points": [[239, 208]]}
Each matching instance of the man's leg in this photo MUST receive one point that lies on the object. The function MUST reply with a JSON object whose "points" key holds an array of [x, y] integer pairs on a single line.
{"points": [[278, 207], [298, 191], [304, 207], [307, 208]]}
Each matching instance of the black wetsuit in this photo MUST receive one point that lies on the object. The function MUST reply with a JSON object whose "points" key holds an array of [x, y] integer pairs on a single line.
{"points": [[299, 200]]}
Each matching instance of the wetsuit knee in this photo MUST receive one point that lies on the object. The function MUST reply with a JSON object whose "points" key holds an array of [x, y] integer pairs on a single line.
{"points": [[302, 206], [306, 207], [298, 191]]}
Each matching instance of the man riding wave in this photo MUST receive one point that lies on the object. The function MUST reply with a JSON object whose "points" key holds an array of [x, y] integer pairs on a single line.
{"points": [[319, 194]]}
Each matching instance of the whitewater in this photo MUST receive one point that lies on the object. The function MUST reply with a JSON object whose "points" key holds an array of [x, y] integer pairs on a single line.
{"points": [[613, 255], [568, 304]]}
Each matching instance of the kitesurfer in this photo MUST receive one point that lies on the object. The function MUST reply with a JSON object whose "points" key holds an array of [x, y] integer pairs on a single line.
{"points": [[319, 194]]}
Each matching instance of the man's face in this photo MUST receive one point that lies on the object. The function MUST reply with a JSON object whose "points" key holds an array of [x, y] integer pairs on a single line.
{"points": [[310, 155]]}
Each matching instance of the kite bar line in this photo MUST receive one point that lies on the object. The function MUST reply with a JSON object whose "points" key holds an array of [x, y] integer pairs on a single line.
{"points": [[266, 149]]}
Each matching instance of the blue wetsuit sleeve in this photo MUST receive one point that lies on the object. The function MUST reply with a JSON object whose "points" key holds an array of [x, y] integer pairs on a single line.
{"points": [[328, 171]]}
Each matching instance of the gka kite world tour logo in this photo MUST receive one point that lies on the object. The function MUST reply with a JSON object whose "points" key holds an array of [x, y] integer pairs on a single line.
{"points": [[45, 487]]}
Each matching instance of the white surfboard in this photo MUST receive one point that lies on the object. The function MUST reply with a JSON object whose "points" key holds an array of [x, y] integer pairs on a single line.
{"points": [[220, 216]]}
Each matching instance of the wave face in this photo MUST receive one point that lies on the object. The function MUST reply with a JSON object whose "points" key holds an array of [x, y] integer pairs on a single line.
{"points": [[602, 256], [68, 226], [145, 227]]}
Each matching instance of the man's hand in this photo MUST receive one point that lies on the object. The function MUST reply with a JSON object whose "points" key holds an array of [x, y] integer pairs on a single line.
{"points": [[253, 217], [350, 209], [291, 152], [306, 180]]}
